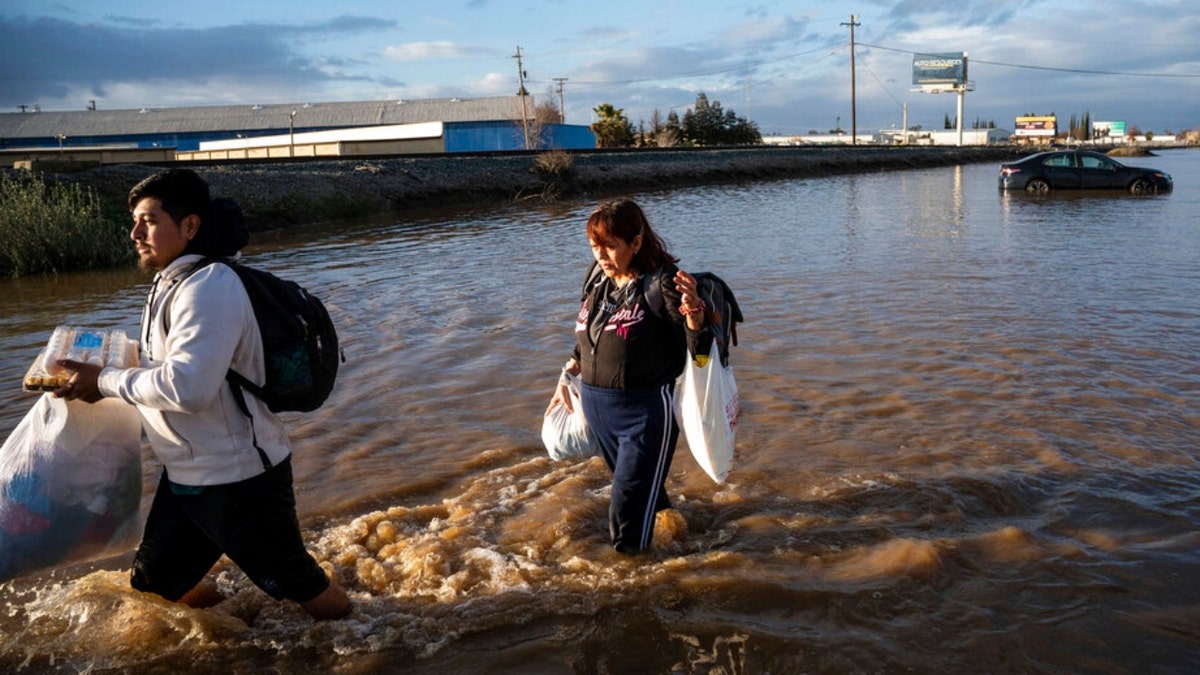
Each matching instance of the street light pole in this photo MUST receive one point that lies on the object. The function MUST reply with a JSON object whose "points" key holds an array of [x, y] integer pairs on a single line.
{"points": [[292, 134]]}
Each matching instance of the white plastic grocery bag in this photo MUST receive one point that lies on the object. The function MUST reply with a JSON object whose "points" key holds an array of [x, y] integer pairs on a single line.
{"points": [[706, 405], [565, 433], [70, 482]]}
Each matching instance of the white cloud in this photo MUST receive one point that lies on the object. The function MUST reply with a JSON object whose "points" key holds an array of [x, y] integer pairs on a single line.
{"points": [[420, 51], [495, 84]]}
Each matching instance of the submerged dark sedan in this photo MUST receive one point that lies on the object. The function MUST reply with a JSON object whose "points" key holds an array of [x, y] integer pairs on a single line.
{"points": [[1080, 169]]}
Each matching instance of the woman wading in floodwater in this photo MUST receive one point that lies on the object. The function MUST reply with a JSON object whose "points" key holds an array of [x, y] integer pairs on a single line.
{"points": [[628, 356]]}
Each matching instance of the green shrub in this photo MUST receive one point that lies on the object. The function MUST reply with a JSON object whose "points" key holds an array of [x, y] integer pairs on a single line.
{"points": [[50, 228]]}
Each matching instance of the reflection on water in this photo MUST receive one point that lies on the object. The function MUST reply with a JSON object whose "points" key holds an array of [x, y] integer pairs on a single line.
{"points": [[968, 443]]}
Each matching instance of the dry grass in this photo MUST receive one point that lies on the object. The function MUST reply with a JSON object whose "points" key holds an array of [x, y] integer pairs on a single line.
{"points": [[555, 164]]}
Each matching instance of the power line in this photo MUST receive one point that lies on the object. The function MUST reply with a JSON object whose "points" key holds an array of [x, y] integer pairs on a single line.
{"points": [[880, 82], [1082, 71], [700, 73]]}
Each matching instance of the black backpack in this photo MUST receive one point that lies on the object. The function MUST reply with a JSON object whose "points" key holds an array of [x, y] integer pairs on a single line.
{"points": [[721, 307], [300, 344]]}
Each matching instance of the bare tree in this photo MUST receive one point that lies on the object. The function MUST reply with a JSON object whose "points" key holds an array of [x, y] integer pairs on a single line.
{"points": [[545, 112]]}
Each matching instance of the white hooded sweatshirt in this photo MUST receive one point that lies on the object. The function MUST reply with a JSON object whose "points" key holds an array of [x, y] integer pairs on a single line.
{"points": [[189, 412]]}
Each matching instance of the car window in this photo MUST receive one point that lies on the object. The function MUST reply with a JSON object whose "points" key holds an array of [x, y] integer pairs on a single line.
{"points": [[1059, 160], [1090, 162]]}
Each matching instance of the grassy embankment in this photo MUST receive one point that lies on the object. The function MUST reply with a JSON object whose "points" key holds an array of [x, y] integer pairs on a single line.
{"points": [[49, 228]]}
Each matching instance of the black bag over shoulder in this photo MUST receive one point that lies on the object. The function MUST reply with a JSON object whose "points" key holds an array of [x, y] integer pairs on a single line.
{"points": [[722, 313], [721, 307], [300, 343]]}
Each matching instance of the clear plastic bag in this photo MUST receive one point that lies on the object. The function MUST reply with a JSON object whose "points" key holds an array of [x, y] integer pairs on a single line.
{"points": [[707, 407], [565, 433], [70, 482]]}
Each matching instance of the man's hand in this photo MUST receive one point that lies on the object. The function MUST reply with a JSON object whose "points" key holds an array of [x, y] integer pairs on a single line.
{"points": [[84, 384]]}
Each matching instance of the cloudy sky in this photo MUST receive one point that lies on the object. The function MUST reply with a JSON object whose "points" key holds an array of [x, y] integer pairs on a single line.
{"points": [[784, 64]]}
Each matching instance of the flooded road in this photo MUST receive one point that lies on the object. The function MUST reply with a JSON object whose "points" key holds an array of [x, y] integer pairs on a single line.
{"points": [[969, 442]]}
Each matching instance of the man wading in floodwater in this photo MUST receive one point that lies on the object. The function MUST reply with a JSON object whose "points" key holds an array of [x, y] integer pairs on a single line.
{"points": [[226, 486]]}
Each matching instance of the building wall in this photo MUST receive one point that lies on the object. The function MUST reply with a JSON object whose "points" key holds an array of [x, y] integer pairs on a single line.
{"points": [[970, 136], [85, 156], [484, 136], [428, 137], [180, 141], [499, 136], [568, 137], [185, 128]]}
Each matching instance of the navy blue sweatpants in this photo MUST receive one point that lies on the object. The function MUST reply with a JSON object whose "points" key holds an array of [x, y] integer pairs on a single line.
{"points": [[637, 434]]}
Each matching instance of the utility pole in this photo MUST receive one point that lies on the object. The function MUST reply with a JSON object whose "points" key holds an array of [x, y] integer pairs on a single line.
{"points": [[522, 93], [853, 110], [562, 112], [292, 134]]}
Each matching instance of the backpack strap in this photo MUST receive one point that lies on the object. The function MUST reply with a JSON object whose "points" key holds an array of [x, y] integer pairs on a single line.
{"points": [[236, 381], [170, 297], [652, 289], [594, 276], [652, 284]]}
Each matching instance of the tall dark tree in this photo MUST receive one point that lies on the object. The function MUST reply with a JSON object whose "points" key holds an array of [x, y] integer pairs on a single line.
{"points": [[708, 124]]}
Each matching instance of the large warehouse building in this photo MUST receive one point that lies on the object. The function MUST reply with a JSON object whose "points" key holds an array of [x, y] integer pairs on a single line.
{"points": [[357, 127]]}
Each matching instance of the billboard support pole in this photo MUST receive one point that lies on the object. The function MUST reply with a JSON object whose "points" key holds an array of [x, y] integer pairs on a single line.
{"points": [[962, 91]]}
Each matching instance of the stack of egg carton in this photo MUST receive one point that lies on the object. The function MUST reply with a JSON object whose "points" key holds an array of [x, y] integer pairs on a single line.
{"points": [[99, 347]]}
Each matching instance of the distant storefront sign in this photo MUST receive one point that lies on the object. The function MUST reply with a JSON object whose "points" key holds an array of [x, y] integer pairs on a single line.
{"points": [[1036, 126], [940, 69], [1108, 129]]}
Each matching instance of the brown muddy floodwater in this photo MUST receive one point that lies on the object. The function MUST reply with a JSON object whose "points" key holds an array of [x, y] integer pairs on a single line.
{"points": [[969, 442]]}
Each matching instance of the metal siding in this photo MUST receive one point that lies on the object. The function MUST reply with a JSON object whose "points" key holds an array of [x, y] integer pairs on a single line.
{"points": [[186, 127], [569, 136], [484, 136], [494, 136]]}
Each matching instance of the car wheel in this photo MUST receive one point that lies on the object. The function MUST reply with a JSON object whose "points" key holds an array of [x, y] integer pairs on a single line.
{"points": [[1038, 186], [1142, 186]]}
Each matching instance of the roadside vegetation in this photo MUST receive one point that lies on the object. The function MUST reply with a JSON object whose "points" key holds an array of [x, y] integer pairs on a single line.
{"points": [[555, 168], [52, 228], [706, 124]]}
